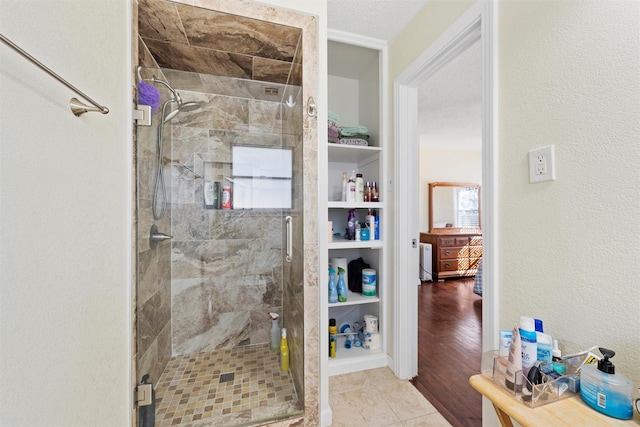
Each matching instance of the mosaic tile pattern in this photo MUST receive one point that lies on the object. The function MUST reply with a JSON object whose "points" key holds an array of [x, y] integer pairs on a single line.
{"points": [[192, 390]]}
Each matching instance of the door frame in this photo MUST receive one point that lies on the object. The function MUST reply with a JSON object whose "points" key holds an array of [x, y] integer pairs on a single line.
{"points": [[477, 23]]}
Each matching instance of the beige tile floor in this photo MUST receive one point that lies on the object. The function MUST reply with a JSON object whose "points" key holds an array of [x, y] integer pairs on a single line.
{"points": [[377, 398]]}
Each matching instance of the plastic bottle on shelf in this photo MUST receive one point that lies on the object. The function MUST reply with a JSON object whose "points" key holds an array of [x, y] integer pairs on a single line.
{"points": [[351, 189], [358, 230], [359, 188], [351, 225], [376, 220], [367, 192], [370, 222], [344, 187], [342, 287], [333, 289], [375, 197]]}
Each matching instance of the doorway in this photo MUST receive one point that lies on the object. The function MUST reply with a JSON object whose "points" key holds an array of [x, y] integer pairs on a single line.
{"points": [[473, 26]]}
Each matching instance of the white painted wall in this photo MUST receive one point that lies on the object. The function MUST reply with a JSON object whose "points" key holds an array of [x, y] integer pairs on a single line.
{"points": [[441, 165], [65, 223], [569, 251]]}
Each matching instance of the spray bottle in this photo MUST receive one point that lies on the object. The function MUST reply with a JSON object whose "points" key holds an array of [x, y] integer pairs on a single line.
{"points": [[333, 290], [342, 287], [275, 331]]}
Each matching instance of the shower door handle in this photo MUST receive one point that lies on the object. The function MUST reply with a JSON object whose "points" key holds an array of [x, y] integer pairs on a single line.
{"points": [[289, 237]]}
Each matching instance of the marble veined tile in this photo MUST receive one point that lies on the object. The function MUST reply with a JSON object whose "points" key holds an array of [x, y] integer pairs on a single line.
{"points": [[271, 70], [159, 20], [233, 33], [199, 60], [361, 408]]}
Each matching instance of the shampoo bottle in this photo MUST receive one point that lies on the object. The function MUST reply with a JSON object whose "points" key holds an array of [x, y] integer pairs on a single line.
{"points": [[284, 351], [275, 331], [333, 290], [528, 343], [604, 390], [342, 287]]}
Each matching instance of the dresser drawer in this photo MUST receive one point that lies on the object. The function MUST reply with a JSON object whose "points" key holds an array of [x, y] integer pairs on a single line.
{"points": [[454, 252], [446, 241], [475, 251], [460, 241], [454, 264]]}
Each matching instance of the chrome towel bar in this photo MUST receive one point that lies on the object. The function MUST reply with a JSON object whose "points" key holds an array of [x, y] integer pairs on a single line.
{"points": [[77, 107]]}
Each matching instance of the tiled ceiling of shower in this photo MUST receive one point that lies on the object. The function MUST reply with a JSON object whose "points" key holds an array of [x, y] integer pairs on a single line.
{"points": [[188, 38]]}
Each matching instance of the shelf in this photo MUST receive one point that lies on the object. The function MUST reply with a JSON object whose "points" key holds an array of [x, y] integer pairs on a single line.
{"points": [[355, 359], [354, 205], [340, 153], [339, 243], [354, 298]]}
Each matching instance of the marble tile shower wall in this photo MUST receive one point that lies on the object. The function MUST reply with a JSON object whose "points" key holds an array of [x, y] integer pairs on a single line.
{"points": [[226, 265], [153, 301]]}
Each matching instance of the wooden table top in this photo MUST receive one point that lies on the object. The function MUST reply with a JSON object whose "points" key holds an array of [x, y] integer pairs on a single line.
{"points": [[571, 411]]}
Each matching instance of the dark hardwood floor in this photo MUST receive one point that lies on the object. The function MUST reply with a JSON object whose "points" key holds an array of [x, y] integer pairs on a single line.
{"points": [[450, 349]]}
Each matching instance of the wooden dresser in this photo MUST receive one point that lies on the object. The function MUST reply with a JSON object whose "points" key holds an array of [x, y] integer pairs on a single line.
{"points": [[455, 254]]}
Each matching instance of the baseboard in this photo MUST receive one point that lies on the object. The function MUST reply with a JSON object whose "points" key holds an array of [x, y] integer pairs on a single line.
{"points": [[326, 417]]}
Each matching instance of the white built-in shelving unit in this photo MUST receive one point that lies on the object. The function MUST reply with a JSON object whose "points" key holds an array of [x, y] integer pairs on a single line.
{"points": [[357, 94]]}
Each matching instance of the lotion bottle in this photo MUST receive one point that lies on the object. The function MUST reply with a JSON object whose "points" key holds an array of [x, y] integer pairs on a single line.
{"points": [[284, 351], [604, 390]]}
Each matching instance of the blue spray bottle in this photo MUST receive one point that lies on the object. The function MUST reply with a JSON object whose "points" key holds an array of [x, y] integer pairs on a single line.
{"points": [[342, 287], [333, 291]]}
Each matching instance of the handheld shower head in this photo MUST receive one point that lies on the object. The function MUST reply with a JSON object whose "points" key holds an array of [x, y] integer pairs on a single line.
{"points": [[176, 96], [187, 106]]}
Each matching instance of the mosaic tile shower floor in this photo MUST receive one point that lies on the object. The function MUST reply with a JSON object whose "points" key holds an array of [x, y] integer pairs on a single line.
{"points": [[193, 392]]}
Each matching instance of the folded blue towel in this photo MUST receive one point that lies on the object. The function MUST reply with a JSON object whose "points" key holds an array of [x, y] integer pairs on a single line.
{"points": [[353, 130]]}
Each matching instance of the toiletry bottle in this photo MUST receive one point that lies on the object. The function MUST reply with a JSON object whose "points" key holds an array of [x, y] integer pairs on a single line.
{"points": [[359, 188], [342, 287], [344, 186], [333, 337], [275, 331], [358, 229], [333, 289], [370, 220], [528, 343], [284, 351], [604, 390], [226, 197], [375, 197], [367, 192], [351, 189], [544, 347], [376, 221], [351, 225]]}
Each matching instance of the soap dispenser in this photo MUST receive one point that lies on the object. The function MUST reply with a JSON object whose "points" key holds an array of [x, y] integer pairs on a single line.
{"points": [[604, 390]]}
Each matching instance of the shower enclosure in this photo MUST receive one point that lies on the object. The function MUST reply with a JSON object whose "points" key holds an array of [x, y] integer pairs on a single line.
{"points": [[207, 277]]}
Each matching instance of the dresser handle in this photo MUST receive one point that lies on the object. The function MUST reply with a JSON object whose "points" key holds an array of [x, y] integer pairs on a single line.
{"points": [[447, 265], [447, 253]]}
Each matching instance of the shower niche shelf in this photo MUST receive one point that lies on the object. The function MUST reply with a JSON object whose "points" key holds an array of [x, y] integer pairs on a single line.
{"points": [[356, 94]]}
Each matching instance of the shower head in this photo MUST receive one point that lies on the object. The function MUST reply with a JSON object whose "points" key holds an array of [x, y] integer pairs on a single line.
{"points": [[176, 96], [186, 106]]}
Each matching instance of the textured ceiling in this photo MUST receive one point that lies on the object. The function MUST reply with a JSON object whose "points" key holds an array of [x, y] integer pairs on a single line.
{"points": [[450, 100], [379, 19]]}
